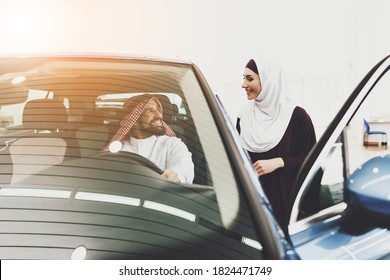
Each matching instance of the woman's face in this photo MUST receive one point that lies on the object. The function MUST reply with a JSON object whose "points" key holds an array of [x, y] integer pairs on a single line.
{"points": [[251, 84]]}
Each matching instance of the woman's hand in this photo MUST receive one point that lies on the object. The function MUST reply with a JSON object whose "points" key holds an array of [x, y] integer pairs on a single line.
{"points": [[266, 166]]}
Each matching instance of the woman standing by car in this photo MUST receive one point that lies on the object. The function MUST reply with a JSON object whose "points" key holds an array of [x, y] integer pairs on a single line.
{"points": [[277, 134]]}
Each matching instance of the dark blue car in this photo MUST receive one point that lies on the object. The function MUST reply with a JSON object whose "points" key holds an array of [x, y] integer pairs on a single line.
{"points": [[63, 196]]}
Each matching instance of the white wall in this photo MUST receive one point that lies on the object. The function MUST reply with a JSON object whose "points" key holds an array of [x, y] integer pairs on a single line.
{"points": [[326, 46]]}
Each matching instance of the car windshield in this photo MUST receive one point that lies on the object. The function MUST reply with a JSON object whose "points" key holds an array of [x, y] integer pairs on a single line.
{"points": [[58, 114]]}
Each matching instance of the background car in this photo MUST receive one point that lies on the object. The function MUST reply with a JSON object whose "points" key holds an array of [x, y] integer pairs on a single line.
{"points": [[61, 197]]}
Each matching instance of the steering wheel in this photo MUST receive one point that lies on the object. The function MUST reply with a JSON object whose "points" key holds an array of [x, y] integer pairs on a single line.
{"points": [[135, 157]]}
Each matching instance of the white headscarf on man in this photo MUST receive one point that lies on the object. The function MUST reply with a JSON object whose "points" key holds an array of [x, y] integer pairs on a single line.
{"points": [[264, 120]]}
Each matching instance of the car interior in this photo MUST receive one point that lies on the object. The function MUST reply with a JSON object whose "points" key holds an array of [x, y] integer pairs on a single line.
{"points": [[51, 134]]}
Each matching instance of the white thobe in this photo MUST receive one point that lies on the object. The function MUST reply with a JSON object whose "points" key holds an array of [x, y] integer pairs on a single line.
{"points": [[166, 152]]}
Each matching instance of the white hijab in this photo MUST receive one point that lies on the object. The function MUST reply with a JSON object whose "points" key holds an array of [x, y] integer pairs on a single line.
{"points": [[264, 120]]}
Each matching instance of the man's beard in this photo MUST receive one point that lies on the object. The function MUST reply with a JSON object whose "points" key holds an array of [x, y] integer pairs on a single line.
{"points": [[154, 130], [160, 130]]}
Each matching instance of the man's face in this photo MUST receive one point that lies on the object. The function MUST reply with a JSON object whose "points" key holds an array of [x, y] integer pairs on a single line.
{"points": [[150, 122]]}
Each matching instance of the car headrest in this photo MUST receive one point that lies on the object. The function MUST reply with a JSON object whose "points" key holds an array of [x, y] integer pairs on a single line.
{"points": [[44, 114], [175, 111], [167, 107]]}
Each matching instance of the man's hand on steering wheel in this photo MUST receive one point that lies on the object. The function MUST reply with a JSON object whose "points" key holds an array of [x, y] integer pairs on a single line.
{"points": [[167, 174], [170, 175]]}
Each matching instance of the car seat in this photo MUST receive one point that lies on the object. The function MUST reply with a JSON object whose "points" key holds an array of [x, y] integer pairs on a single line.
{"points": [[44, 141]]}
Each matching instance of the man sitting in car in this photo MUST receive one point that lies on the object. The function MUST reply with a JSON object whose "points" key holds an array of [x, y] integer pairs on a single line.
{"points": [[144, 132]]}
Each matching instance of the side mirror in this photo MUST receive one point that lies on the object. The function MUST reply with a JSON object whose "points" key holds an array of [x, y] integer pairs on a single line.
{"points": [[368, 188]]}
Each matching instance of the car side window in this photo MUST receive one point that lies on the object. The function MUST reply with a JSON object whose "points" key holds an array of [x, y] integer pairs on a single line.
{"points": [[326, 188]]}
